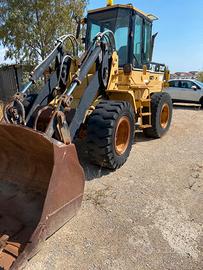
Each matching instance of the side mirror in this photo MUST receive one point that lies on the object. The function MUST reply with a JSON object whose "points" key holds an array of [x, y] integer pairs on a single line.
{"points": [[194, 87], [152, 45]]}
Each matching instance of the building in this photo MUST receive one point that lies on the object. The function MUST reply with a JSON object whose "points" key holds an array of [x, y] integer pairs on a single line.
{"points": [[185, 75]]}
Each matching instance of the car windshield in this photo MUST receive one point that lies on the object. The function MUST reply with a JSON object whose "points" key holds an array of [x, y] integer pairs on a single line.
{"points": [[199, 83]]}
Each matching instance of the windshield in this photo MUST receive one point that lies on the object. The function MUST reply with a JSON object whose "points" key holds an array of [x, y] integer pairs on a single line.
{"points": [[199, 83], [117, 21]]}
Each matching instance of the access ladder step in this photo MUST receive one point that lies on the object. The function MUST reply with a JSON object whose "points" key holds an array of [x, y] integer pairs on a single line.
{"points": [[145, 100], [138, 87], [146, 114], [145, 126]]}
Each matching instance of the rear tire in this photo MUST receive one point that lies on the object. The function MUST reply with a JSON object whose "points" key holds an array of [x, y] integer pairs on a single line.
{"points": [[110, 133], [162, 108]]}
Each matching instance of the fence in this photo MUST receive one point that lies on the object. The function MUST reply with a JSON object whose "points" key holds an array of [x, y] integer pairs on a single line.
{"points": [[10, 81]]}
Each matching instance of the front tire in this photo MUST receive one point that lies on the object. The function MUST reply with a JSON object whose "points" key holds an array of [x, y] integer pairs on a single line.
{"points": [[110, 133], [162, 108]]}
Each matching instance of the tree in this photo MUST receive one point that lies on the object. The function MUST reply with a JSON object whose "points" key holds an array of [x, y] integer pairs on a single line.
{"points": [[29, 29], [200, 76]]}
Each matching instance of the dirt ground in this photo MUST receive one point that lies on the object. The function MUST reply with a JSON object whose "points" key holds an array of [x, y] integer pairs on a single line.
{"points": [[146, 215]]}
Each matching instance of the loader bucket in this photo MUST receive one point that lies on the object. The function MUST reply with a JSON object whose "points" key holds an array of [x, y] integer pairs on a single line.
{"points": [[41, 188]]}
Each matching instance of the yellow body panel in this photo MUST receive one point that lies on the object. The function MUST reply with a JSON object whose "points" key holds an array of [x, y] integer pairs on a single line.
{"points": [[135, 88]]}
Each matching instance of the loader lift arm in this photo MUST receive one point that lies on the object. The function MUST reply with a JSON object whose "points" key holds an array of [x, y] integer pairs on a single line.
{"points": [[14, 111], [99, 52], [99, 80]]}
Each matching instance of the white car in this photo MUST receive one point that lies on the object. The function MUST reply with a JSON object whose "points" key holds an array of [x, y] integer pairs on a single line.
{"points": [[186, 91]]}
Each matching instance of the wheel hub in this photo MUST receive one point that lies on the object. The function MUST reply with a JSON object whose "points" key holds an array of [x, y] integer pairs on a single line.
{"points": [[122, 135], [164, 116]]}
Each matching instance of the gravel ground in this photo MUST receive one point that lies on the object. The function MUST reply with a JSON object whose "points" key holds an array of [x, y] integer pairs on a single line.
{"points": [[146, 215]]}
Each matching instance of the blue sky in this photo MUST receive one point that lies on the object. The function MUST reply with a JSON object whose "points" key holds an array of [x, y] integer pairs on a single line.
{"points": [[179, 43]]}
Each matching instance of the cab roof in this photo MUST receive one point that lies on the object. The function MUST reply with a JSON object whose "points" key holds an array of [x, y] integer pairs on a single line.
{"points": [[128, 6]]}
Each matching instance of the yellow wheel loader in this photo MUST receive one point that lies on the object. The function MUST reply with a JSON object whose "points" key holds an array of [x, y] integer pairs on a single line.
{"points": [[107, 92]]}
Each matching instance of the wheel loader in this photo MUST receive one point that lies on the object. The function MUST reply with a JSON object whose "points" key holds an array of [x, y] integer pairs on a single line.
{"points": [[103, 95]]}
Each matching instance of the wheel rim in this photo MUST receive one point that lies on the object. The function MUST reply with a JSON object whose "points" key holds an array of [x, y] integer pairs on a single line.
{"points": [[164, 116], [122, 135]]}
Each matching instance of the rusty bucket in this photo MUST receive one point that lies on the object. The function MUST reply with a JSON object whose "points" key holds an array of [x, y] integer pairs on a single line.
{"points": [[41, 188]]}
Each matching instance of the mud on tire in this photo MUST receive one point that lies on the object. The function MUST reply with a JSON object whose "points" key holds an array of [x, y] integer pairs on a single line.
{"points": [[161, 107], [110, 133]]}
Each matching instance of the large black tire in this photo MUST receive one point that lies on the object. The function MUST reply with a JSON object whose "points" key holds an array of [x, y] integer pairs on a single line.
{"points": [[161, 106], [110, 133]]}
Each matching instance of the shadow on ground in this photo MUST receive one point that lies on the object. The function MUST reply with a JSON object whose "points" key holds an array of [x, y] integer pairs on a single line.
{"points": [[93, 171], [191, 107], [140, 137]]}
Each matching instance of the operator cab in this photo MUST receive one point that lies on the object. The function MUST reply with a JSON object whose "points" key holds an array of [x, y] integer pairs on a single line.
{"points": [[132, 30]]}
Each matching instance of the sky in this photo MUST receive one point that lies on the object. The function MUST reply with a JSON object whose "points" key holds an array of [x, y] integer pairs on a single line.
{"points": [[179, 43]]}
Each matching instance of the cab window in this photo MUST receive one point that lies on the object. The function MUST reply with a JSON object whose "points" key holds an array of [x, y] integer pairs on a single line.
{"points": [[137, 48], [95, 29], [116, 20], [147, 42], [121, 37]]}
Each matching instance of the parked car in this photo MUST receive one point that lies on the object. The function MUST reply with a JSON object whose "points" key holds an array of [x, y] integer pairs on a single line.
{"points": [[186, 91]]}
